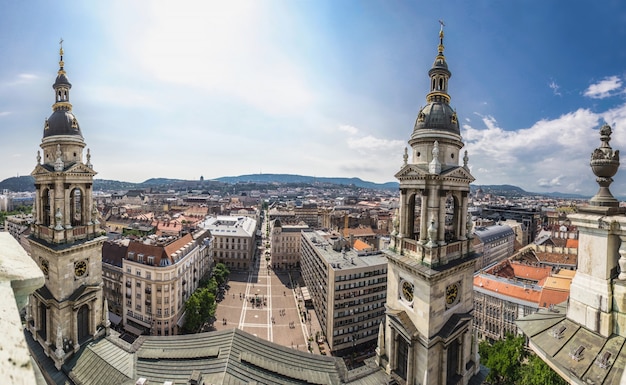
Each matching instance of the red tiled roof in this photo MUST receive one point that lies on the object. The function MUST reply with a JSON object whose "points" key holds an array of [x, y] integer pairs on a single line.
{"points": [[572, 243], [535, 273], [506, 288]]}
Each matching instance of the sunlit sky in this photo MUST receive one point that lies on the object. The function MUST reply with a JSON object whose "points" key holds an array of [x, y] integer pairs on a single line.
{"points": [[182, 89]]}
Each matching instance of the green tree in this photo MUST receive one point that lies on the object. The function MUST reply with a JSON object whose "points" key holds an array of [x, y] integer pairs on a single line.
{"points": [[193, 318], [221, 273], [510, 363], [537, 372], [504, 359], [207, 304], [212, 286]]}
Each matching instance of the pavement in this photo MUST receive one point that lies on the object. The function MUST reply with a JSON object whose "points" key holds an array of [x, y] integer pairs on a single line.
{"points": [[266, 304]]}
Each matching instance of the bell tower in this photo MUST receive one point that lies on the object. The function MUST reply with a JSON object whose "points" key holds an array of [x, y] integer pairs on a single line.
{"points": [[428, 336], [66, 240]]}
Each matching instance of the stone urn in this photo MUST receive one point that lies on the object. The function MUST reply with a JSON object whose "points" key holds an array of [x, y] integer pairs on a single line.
{"points": [[604, 164]]}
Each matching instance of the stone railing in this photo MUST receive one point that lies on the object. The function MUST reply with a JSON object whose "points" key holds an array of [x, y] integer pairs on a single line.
{"points": [[19, 277]]}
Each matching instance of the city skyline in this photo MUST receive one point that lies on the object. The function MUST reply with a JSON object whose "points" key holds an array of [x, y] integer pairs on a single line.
{"points": [[316, 88]]}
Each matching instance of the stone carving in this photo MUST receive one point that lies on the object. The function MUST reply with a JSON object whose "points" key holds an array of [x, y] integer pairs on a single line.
{"points": [[58, 164], [89, 159], [432, 231], [58, 218], [38, 157], [435, 166], [59, 343], [405, 157], [604, 164]]}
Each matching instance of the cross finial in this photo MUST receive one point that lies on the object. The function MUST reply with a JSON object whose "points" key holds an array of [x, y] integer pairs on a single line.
{"points": [[442, 24]]}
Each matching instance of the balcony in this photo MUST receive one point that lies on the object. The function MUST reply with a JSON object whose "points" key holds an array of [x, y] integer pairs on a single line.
{"points": [[128, 295], [129, 284], [148, 290], [148, 302]]}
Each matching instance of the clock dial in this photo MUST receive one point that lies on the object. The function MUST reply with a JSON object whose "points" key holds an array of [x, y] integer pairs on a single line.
{"points": [[407, 291], [80, 268], [452, 293], [45, 265]]}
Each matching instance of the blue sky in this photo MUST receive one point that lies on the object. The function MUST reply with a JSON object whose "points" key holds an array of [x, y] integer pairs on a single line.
{"points": [[325, 88]]}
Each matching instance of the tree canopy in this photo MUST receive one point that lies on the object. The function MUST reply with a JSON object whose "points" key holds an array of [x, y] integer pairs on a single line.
{"points": [[510, 363]]}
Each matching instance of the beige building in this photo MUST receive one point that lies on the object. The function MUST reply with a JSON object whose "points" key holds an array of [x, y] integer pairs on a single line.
{"points": [[234, 240], [348, 290], [157, 276], [285, 245]]}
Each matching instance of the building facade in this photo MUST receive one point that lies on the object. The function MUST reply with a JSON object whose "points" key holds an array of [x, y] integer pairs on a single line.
{"points": [[428, 337], [234, 240], [498, 243], [157, 277], [285, 245], [66, 241], [348, 290]]}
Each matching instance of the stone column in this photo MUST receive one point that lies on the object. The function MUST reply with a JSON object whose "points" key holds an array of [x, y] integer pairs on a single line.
{"points": [[463, 235], [444, 365], [74, 332], [403, 214], [442, 218], [409, 364], [67, 211], [424, 217]]}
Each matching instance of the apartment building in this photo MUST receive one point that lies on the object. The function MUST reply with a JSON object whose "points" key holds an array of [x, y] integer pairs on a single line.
{"points": [[348, 290], [234, 240], [497, 244], [159, 274], [514, 289], [285, 245]]}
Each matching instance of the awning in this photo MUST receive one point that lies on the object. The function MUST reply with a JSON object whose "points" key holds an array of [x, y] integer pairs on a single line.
{"points": [[181, 320], [114, 318], [133, 330]]}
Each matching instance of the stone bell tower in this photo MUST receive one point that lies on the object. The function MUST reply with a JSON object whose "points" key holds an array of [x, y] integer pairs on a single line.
{"points": [[66, 240], [428, 335]]}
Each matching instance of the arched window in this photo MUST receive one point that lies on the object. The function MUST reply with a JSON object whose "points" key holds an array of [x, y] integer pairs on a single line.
{"points": [[45, 207], [452, 219], [76, 207], [440, 84]]}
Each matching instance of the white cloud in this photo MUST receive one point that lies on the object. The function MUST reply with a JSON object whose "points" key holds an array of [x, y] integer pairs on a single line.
{"points": [[226, 48], [20, 79], [370, 143], [550, 153], [5, 113], [604, 88], [554, 87], [348, 129], [543, 182]]}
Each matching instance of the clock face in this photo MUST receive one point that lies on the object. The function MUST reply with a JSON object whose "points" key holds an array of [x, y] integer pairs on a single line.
{"points": [[80, 268], [45, 265], [407, 291], [452, 294]]}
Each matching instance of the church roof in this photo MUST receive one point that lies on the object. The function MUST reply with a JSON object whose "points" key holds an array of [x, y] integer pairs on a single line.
{"points": [[222, 357]]}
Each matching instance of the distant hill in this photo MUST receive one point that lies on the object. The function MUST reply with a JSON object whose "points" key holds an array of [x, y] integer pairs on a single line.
{"points": [[263, 181], [301, 179]]}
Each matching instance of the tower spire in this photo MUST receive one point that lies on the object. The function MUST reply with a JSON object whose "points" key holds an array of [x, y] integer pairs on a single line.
{"points": [[441, 47]]}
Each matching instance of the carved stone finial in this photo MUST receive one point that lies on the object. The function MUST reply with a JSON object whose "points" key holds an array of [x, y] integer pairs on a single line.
{"points": [[604, 164], [89, 159], [38, 157], [405, 157], [465, 160]]}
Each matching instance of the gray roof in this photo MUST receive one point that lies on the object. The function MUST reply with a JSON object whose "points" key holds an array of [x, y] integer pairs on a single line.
{"points": [[228, 357], [492, 233], [542, 329], [60, 123]]}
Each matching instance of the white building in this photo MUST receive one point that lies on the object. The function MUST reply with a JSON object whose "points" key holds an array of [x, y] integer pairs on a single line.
{"points": [[234, 240]]}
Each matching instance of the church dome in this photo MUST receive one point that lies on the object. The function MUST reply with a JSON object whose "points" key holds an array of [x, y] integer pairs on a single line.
{"points": [[437, 116], [62, 122], [62, 80]]}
